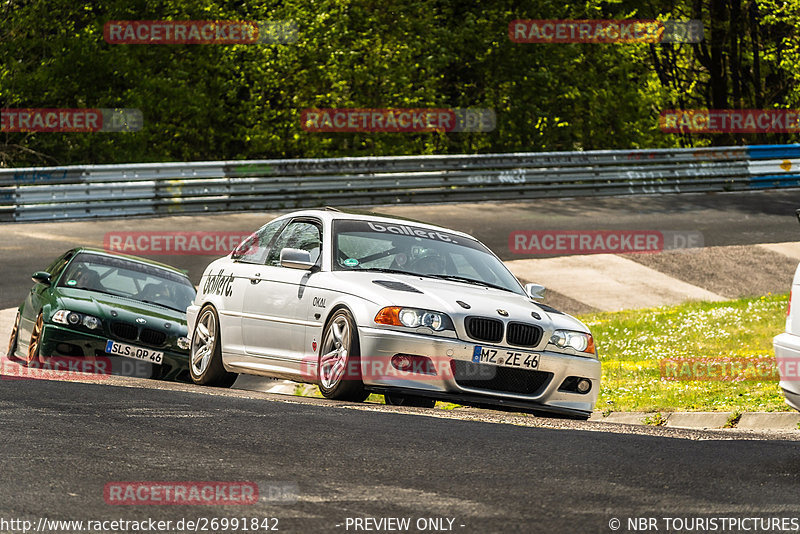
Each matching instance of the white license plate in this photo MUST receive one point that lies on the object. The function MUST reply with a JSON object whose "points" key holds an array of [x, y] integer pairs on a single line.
{"points": [[507, 358], [137, 353]]}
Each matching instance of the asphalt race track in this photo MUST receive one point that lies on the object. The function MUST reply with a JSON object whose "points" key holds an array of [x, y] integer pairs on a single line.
{"points": [[65, 441], [485, 471]]}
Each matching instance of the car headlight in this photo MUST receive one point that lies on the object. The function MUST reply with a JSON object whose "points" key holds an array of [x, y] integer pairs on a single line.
{"points": [[414, 318], [184, 343], [92, 323], [71, 318], [579, 341]]}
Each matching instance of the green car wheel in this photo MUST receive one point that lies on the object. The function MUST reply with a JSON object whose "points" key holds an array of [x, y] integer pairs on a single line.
{"points": [[34, 347], [12, 343]]}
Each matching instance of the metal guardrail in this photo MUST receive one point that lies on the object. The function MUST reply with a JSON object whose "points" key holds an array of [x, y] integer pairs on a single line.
{"points": [[75, 192]]}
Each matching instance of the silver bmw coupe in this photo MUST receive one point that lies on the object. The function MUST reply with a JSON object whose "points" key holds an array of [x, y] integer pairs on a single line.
{"points": [[359, 303]]}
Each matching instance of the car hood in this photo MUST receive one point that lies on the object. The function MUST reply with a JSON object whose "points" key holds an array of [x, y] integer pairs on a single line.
{"points": [[101, 305], [443, 296]]}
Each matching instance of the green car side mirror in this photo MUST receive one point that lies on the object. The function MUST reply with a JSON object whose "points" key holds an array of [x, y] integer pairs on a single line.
{"points": [[41, 277]]}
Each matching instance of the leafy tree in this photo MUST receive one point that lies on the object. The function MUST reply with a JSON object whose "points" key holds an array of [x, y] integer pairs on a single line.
{"points": [[244, 101]]}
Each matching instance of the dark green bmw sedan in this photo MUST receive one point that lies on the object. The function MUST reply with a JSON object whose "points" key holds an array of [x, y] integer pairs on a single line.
{"points": [[92, 304]]}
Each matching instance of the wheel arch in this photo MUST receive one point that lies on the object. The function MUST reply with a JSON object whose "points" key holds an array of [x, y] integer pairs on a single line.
{"points": [[200, 309], [359, 309]]}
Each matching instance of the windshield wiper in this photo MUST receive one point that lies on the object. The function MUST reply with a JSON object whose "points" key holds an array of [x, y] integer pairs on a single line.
{"points": [[385, 270], [95, 290], [159, 304], [456, 278]]}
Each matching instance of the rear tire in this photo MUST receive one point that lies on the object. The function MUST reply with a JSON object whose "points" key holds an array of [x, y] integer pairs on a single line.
{"points": [[12, 342], [397, 399], [205, 360], [339, 363]]}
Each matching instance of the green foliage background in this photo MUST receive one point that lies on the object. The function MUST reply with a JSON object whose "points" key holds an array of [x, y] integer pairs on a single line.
{"points": [[210, 102]]}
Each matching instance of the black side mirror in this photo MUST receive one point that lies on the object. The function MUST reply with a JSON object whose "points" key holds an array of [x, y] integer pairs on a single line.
{"points": [[41, 277]]}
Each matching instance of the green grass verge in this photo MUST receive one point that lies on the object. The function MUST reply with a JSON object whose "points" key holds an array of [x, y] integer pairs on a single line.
{"points": [[632, 345]]}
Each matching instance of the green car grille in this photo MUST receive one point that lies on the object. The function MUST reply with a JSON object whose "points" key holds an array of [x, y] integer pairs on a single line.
{"points": [[131, 332]]}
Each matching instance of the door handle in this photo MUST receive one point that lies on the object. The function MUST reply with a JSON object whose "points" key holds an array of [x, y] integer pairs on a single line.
{"points": [[254, 281]]}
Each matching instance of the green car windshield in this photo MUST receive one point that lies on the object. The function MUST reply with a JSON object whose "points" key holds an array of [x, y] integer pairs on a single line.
{"points": [[129, 279]]}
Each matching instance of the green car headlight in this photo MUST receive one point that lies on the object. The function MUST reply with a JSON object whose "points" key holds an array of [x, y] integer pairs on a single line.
{"points": [[92, 323], [184, 343], [71, 318]]}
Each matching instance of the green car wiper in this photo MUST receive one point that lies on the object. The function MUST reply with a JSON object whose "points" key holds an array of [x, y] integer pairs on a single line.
{"points": [[160, 304]]}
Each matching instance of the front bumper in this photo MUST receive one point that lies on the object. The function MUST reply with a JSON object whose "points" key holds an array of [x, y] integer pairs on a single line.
{"points": [[55, 338], [787, 354], [545, 383]]}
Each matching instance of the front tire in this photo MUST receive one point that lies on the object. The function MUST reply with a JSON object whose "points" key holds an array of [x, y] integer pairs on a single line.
{"points": [[339, 364], [396, 399], [35, 345], [205, 360]]}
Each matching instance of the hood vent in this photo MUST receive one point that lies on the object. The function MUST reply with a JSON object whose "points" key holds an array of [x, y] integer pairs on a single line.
{"points": [[396, 286], [548, 309]]}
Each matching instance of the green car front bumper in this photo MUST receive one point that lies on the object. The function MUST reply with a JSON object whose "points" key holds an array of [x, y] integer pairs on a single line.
{"points": [[59, 341]]}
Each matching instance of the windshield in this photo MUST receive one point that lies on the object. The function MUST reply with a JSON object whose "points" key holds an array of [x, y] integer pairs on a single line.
{"points": [[129, 279], [407, 249]]}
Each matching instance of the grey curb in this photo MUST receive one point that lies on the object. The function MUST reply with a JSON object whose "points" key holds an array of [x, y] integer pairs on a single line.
{"points": [[776, 421]]}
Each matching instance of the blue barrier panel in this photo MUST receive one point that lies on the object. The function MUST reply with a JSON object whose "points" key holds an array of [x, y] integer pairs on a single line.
{"points": [[771, 181], [773, 151]]}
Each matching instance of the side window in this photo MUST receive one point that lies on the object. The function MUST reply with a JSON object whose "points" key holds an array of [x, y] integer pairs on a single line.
{"points": [[299, 234], [57, 266], [85, 275], [254, 248]]}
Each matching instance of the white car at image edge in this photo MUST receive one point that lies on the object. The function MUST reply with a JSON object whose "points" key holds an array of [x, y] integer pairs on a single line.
{"points": [[787, 346], [359, 303]]}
